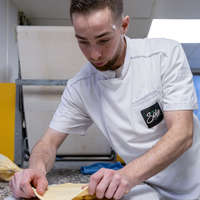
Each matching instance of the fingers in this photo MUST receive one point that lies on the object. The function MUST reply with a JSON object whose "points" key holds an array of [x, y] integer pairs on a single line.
{"points": [[103, 185], [26, 188], [94, 181], [20, 187], [113, 187], [109, 183], [122, 189], [21, 183], [41, 185]]}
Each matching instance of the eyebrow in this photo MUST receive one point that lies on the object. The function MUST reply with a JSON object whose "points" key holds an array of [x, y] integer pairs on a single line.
{"points": [[96, 37]]}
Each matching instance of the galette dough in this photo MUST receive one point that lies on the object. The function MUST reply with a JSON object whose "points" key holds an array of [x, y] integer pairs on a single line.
{"points": [[65, 191], [7, 168]]}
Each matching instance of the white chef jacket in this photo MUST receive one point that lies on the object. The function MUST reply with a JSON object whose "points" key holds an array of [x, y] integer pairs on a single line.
{"points": [[129, 109]]}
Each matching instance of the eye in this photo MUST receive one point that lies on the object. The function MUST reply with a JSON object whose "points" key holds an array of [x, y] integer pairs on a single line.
{"points": [[104, 41], [83, 42]]}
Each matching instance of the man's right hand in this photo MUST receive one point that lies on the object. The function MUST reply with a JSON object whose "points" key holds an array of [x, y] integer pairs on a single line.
{"points": [[22, 182]]}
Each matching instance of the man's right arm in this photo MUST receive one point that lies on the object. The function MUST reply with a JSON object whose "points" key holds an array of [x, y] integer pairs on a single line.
{"points": [[44, 152], [41, 161]]}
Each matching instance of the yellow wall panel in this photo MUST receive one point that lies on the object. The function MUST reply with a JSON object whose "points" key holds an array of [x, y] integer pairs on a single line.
{"points": [[7, 119]]}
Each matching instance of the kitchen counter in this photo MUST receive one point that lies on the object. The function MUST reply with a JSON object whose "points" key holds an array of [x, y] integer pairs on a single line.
{"points": [[56, 176]]}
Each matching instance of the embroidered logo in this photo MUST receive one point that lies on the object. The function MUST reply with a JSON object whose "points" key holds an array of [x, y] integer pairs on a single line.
{"points": [[152, 115]]}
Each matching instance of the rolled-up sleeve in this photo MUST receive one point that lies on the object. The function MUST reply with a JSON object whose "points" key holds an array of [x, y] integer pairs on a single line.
{"points": [[70, 116], [177, 81]]}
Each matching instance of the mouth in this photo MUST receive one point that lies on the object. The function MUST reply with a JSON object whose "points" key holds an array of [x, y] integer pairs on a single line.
{"points": [[99, 64]]}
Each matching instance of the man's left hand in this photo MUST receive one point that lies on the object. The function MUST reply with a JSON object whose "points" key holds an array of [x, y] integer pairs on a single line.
{"points": [[109, 183]]}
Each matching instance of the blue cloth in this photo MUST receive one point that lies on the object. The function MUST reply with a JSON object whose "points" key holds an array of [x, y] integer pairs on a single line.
{"points": [[196, 79], [91, 169]]}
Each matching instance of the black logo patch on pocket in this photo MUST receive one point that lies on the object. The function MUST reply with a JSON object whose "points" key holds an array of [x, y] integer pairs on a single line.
{"points": [[152, 115]]}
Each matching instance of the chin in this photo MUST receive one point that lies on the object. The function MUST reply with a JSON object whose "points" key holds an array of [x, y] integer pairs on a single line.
{"points": [[101, 68]]}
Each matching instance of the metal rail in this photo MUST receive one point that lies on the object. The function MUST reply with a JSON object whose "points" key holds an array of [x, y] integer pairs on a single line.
{"points": [[40, 82]]}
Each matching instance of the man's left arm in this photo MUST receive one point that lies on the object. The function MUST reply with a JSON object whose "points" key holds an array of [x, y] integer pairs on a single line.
{"points": [[173, 144]]}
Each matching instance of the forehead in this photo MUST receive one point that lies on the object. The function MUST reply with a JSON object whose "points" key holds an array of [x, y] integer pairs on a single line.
{"points": [[93, 23]]}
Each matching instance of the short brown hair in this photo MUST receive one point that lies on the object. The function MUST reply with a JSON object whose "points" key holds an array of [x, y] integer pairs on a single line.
{"points": [[86, 6]]}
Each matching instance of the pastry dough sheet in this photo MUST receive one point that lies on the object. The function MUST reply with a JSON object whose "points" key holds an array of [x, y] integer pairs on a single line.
{"points": [[7, 168], [65, 191]]}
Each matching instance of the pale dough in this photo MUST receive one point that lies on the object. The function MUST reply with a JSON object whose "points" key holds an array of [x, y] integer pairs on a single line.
{"points": [[65, 191], [7, 168]]}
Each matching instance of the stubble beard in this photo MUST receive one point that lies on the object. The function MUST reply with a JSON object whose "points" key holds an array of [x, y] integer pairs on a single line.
{"points": [[111, 64]]}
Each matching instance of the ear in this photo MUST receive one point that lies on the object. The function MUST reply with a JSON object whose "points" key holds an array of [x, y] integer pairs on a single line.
{"points": [[125, 24]]}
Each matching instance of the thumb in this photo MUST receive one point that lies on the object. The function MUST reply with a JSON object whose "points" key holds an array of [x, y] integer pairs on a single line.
{"points": [[42, 185]]}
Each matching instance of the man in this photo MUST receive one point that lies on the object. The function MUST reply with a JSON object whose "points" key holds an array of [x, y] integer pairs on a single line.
{"points": [[141, 95]]}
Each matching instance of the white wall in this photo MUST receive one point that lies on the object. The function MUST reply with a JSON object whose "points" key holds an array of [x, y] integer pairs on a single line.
{"points": [[50, 22], [8, 43], [56, 13]]}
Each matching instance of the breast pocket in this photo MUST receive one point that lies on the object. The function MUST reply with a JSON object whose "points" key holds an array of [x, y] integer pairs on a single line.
{"points": [[147, 113]]}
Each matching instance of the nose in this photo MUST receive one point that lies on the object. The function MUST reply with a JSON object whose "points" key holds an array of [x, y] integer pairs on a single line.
{"points": [[95, 53]]}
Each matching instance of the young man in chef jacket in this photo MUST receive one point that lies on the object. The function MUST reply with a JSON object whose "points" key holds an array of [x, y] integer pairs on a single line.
{"points": [[140, 94]]}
